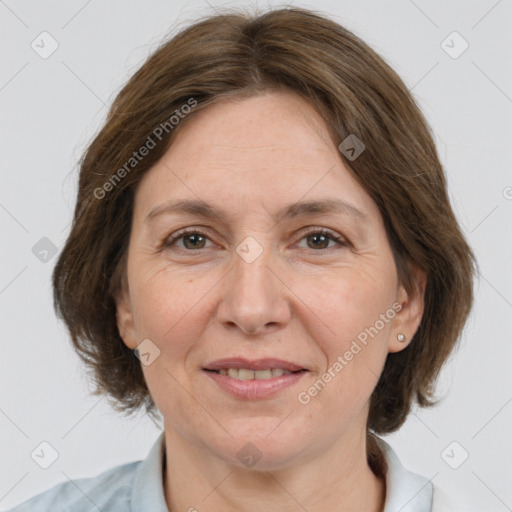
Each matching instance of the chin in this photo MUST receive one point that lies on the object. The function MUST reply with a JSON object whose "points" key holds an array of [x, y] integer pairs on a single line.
{"points": [[255, 451]]}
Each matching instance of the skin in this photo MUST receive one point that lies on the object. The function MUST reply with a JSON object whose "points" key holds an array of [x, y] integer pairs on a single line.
{"points": [[303, 300]]}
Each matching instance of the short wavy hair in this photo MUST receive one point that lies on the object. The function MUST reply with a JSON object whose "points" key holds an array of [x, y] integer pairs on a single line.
{"points": [[238, 54]]}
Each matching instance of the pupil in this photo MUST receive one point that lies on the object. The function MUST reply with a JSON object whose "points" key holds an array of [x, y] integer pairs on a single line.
{"points": [[317, 237], [192, 238]]}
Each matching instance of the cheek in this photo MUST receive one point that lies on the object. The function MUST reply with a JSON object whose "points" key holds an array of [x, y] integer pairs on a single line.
{"points": [[170, 312], [170, 309], [348, 327], [346, 301]]}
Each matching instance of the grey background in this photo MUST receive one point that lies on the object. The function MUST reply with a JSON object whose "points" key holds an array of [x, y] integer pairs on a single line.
{"points": [[50, 108]]}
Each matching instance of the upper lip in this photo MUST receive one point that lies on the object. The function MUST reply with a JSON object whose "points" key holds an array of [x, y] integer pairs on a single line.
{"points": [[253, 364]]}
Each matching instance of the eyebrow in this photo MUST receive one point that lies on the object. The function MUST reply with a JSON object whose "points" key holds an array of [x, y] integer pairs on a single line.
{"points": [[290, 211]]}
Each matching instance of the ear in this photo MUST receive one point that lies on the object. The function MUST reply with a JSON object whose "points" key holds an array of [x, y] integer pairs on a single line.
{"points": [[408, 318], [124, 317]]}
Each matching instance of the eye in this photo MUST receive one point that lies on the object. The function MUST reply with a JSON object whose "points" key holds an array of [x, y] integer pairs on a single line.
{"points": [[319, 238], [192, 239]]}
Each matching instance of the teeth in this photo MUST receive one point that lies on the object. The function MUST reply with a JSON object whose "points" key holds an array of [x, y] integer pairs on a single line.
{"points": [[263, 374], [245, 374]]}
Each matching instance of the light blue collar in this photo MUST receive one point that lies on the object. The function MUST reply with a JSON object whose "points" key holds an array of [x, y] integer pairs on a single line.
{"points": [[148, 485]]}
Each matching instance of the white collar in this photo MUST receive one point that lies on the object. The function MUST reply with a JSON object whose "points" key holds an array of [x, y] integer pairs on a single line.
{"points": [[405, 491]]}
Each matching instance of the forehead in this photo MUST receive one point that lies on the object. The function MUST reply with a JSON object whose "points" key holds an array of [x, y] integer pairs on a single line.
{"points": [[258, 151], [235, 121]]}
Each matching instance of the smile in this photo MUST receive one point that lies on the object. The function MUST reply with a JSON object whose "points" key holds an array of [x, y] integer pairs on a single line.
{"points": [[254, 379], [247, 374]]}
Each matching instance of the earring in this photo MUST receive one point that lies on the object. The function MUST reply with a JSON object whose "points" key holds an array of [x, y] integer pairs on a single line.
{"points": [[400, 337]]}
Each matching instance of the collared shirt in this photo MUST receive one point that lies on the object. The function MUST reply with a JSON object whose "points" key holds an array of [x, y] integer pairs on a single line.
{"points": [[138, 487]]}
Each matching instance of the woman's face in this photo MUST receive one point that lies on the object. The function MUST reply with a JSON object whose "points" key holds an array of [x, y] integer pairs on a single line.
{"points": [[255, 286]]}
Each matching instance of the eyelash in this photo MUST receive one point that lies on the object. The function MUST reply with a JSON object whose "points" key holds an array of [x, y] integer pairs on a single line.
{"points": [[171, 240]]}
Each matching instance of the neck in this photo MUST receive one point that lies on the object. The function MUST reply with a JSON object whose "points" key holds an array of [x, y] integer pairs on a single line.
{"points": [[340, 480]]}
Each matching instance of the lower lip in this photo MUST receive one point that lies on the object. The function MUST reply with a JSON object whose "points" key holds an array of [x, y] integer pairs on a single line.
{"points": [[255, 389]]}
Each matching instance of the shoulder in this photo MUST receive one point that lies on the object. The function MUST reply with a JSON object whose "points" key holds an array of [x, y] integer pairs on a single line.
{"points": [[109, 491]]}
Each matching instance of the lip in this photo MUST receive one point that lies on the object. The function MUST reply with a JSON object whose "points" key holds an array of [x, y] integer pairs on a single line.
{"points": [[254, 364], [254, 389]]}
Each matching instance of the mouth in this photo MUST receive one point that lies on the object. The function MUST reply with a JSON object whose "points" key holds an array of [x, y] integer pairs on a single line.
{"points": [[256, 379], [248, 374]]}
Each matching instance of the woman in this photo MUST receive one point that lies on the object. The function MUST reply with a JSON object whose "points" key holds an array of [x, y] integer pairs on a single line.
{"points": [[263, 251]]}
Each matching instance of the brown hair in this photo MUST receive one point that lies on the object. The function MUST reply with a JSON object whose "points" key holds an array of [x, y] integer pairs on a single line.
{"points": [[235, 54]]}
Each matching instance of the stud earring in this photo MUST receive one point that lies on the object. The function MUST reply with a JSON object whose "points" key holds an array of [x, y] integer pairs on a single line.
{"points": [[400, 337]]}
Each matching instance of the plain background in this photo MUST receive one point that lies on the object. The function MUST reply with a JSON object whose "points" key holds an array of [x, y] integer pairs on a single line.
{"points": [[50, 109]]}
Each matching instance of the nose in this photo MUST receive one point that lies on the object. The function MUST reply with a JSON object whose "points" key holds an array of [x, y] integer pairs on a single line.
{"points": [[255, 298]]}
